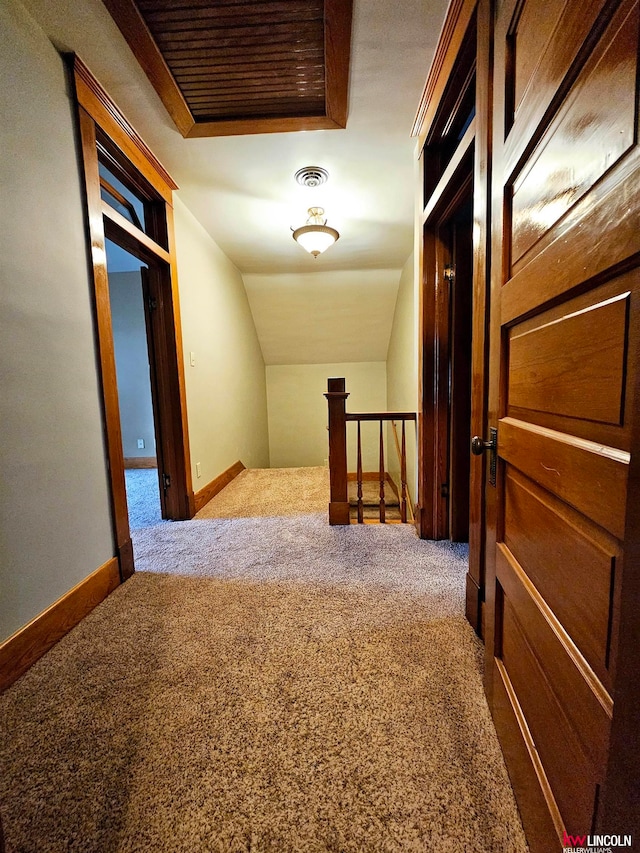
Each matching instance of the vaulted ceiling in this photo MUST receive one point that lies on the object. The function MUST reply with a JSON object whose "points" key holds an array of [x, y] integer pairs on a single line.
{"points": [[242, 188]]}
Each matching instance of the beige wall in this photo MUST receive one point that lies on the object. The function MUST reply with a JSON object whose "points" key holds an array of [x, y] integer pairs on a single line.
{"points": [[54, 504], [298, 411], [402, 365], [226, 390]]}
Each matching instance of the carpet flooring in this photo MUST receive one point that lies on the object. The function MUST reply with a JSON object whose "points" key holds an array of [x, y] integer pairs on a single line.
{"points": [[260, 492], [263, 683], [143, 497]]}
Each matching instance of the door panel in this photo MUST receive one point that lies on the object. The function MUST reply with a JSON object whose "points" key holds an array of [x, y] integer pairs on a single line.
{"points": [[589, 477], [581, 144], [541, 818], [564, 347], [582, 701], [555, 364], [529, 39], [570, 561], [572, 776], [550, 35]]}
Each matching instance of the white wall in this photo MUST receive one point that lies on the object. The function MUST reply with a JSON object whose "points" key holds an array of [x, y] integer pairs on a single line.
{"points": [[54, 505], [226, 389], [402, 366], [298, 411], [132, 362]]}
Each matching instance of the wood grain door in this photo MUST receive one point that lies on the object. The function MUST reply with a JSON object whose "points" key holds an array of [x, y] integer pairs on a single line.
{"points": [[460, 306], [565, 329]]}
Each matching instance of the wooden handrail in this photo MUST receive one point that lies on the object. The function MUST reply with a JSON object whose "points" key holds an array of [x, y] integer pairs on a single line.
{"points": [[338, 418], [380, 416]]}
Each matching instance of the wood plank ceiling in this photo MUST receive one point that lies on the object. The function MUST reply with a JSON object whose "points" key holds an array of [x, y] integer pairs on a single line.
{"points": [[231, 67]]}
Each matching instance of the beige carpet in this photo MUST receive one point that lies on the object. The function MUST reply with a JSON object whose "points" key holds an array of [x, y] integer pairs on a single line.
{"points": [[259, 492], [268, 684], [262, 492]]}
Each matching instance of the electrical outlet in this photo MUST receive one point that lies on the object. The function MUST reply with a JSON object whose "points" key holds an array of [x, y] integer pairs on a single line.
{"points": [[198, 470], [140, 443], [326, 463]]}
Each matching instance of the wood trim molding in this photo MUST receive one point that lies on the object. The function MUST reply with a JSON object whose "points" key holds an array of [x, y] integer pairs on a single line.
{"points": [[143, 240], [101, 121], [106, 352], [443, 188], [27, 645], [453, 31], [105, 113], [143, 46], [132, 462], [337, 50], [217, 485], [338, 15], [246, 126]]}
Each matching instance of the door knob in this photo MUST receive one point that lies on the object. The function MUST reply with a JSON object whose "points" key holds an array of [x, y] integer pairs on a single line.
{"points": [[478, 445]]}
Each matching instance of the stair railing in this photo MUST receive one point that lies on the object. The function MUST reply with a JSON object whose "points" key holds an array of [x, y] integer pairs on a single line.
{"points": [[402, 456], [338, 418]]}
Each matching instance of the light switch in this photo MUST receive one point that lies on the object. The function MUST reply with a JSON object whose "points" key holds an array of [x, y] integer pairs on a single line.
{"points": [[192, 359]]}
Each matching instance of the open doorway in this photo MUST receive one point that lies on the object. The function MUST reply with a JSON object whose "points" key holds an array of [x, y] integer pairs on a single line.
{"points": [[446, 355], [456, 235], [139, 428], [129, 202], [452, 125]]}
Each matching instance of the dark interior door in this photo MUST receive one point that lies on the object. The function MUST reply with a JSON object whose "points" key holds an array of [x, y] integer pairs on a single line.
{"points": [[461, 305], [564, 349], [150, 301]]}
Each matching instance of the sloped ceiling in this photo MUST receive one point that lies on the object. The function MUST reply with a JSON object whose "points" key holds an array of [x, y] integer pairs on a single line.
{"points": [[242, 189], [301, 318]]}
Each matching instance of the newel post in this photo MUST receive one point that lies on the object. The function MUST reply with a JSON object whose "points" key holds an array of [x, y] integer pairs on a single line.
{"points": [[339, 500]]}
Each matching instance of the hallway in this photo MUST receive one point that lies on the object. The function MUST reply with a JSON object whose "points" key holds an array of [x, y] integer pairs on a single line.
{"points": [[263, 683]]}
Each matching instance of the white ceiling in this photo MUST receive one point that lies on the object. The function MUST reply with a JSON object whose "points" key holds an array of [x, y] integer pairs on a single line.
{"points": [[243, 192]]}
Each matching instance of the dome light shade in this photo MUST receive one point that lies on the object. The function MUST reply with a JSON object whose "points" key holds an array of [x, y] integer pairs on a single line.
{"points": [[316, 236]]}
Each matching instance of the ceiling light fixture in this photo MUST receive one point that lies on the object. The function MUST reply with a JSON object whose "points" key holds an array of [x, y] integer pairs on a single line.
{"points": [[316, 235]]}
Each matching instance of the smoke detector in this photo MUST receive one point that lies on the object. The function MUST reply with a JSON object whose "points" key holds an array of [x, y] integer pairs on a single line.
{"points": [[312, 176]]}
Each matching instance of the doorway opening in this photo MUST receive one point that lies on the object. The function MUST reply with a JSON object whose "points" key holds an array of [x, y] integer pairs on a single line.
{"points": [[456, 242], [129, 204], [136, 392]]}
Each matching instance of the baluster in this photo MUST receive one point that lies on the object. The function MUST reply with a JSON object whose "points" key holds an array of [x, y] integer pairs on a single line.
{"points": [[403, 479], [359, 475], [382, 503]]}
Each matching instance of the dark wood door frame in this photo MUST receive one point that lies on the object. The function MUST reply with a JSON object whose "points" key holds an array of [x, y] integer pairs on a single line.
{"points": [[101, 123], [436, 337], [464, 53]]}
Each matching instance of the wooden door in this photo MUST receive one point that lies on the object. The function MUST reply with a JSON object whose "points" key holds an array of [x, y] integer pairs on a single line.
{"points": [[447, 335], [565, 329], [150, 296], [460, 322]]}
